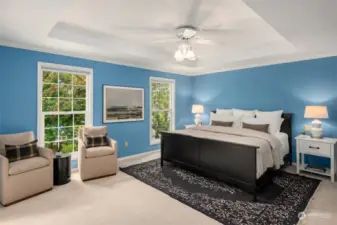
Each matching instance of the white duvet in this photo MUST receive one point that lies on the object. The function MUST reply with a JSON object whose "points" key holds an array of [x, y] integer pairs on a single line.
{"points": [[268, 152]]}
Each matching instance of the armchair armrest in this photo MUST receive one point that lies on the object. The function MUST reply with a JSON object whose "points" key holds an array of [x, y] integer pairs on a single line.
{"points": [[81, 149], [113, 144], [4, 166], [46, 153], [4, 171]]}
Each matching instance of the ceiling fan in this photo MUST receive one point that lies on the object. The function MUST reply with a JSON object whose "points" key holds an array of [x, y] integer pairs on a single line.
{"points": [[191, 33], [185, 36]]}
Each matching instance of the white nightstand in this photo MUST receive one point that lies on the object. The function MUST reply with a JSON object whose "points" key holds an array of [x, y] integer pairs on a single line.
{"points": [[324, 147]]}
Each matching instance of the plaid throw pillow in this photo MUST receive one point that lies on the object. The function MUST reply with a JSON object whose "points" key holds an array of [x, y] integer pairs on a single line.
{"points": [[92, 142], [18, 152]]}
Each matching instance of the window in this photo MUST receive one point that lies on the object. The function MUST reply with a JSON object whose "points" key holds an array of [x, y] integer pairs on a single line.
{"points": [[162, 107], [64, 105]]}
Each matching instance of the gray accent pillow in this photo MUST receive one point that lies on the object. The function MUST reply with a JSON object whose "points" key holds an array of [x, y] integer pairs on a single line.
{"points": [[258, 127], [222, 123]]}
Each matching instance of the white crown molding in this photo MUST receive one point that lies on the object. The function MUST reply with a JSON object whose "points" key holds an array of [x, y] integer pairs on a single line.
{"points": [[82, 56], [116, 62], [278, 62]]}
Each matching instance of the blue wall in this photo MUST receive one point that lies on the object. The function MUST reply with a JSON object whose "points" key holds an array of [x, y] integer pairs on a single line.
{"points": [[18, 85], [289, 86], [1, 91]]}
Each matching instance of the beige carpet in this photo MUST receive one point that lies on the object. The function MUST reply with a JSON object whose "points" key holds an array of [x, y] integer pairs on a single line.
{"points": [[121, 200]]}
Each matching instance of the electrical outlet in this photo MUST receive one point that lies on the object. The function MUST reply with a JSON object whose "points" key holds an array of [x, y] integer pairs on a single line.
{"points": [[126, 144], [307, 127]]}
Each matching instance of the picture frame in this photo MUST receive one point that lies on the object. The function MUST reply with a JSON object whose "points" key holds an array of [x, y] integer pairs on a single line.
{"points": [[122, 104]]}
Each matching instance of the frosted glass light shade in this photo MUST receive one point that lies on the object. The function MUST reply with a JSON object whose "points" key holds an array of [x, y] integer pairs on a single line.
{"points": [[178, 56], [190, 55], [316, 112], [197, 108]]}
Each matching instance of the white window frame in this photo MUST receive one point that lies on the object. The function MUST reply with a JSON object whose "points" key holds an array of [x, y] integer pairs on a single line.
{"points": [[172, 104], [89, 93]]}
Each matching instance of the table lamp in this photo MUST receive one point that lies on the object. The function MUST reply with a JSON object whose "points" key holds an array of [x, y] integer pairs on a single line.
{"points": [[197, 109], [316, 112]]}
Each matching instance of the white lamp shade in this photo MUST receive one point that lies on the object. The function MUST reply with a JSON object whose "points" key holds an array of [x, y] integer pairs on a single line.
{"points": [[316, 112], [197, 108]]}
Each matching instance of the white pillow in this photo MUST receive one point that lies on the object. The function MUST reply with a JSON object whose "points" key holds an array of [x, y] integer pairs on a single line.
{"points": [[224, 118], [228, 112], [244, 113], [273, 118], [272, 114]]}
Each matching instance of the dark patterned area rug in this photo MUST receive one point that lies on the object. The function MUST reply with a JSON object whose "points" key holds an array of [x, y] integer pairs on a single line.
{"points": [[278, 203]]}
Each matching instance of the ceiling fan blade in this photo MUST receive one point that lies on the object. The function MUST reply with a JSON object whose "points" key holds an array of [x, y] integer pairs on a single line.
{"points": [[193, 13], [167, 40], [151, 31], [219, 31], [219, 37], [202, 41], [77, 34], [197, 15]]}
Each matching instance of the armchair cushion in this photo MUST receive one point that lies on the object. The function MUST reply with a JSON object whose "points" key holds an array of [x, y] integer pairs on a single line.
{"points": [[95, 131], [26, 165], [99, 151], [92, 132], [19, 152], [15, 139]]}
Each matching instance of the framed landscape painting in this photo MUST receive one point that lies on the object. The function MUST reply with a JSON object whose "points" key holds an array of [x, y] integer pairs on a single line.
{"points": [[122, 104]]}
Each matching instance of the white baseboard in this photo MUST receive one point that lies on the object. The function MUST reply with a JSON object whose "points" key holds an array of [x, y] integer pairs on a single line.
{"points": [[132, 157]]}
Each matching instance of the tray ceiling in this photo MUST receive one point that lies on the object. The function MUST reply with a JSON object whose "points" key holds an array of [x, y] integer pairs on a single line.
{"points": [[246, 33]]}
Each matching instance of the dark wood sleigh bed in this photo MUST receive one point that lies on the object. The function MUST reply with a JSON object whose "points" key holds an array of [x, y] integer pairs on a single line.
{"points": [[233, 163]]}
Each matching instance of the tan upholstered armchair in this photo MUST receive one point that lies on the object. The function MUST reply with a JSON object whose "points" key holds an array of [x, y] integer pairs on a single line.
{"points": [[99, 161], [27, 177]]}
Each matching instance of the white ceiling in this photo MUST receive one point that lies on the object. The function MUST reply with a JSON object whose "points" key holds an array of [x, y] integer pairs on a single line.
{"points": [[245, 33]]}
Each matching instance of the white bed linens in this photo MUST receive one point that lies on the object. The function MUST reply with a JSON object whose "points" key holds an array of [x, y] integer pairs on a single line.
{"points": [[283, 137], [268, 146]]}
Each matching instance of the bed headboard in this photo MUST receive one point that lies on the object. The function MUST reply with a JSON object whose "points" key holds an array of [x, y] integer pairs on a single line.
{"points": [[286, 127]]}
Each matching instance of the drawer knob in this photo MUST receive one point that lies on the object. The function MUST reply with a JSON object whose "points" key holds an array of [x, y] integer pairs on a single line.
{"points": [[313, 147]]}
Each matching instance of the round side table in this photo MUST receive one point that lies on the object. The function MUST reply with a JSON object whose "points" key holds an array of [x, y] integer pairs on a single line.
{"points": [[62, 169]]}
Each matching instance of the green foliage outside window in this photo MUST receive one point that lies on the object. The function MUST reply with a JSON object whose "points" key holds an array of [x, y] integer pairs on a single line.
{"points": [[49, 104], [66, 91], [51, 121], [66, 78], [80, 80], [63, 92], [79, 91], [79, 104], [50, 77], [50, 90], [161, 117], [50, 134], [66, 146]]}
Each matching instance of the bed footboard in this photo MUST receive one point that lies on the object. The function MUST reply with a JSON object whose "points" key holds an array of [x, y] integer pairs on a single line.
{"points": [[229, 162]]}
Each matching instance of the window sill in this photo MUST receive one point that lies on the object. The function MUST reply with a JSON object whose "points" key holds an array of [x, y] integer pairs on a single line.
{"points": [[74, 156]]}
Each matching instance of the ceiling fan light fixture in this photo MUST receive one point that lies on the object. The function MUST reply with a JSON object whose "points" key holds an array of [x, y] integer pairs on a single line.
{"points": [[179, 56], [190, 55], [184, 51]]}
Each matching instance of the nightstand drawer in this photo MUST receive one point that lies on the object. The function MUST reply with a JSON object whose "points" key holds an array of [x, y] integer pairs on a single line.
{"points": [[315, 148]]}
